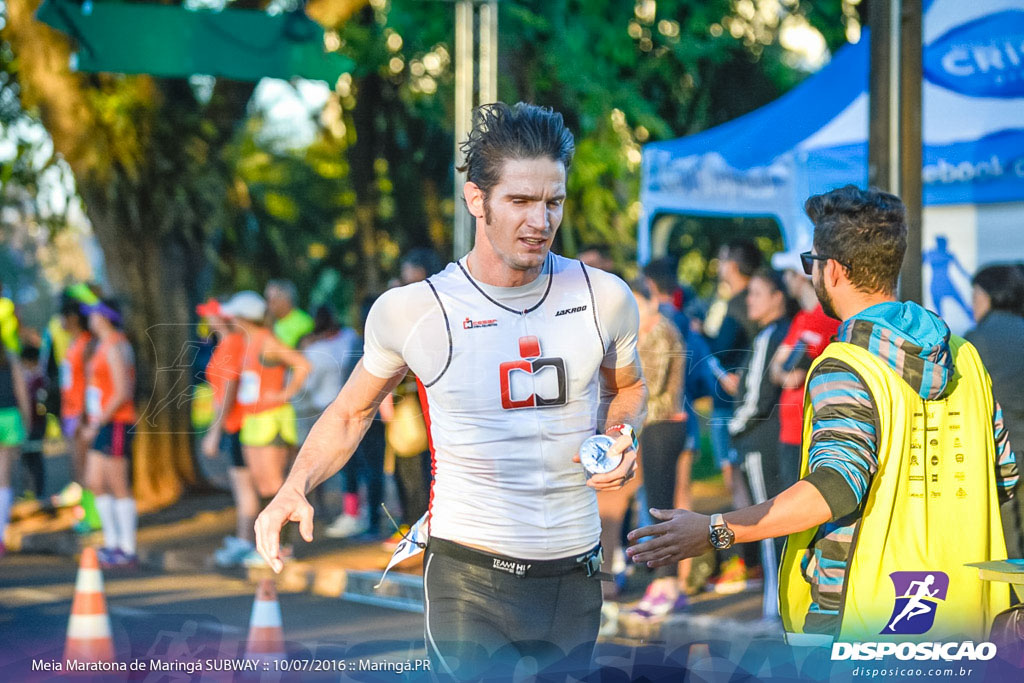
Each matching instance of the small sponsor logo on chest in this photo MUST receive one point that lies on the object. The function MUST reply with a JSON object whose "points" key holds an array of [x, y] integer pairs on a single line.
{"points": [[570, 311], [469, 324]]}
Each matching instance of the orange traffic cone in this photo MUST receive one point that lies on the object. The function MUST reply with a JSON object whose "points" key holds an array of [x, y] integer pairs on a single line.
{"points": [[89, 638], [266, 638]]}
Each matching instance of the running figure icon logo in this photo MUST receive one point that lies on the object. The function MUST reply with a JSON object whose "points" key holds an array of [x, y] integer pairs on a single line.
{"points": [[917, 597], [533, 364]]}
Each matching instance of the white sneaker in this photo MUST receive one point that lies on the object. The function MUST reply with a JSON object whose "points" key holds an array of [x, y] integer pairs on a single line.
{"points": [[233, 552], [346, 526], [609, 619]]}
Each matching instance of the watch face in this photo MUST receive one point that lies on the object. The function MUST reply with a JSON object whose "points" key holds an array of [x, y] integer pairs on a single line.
{"points": [[722, 537]]}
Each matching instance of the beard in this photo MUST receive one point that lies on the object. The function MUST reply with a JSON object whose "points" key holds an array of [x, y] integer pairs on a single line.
{"points": [[824, 298]]}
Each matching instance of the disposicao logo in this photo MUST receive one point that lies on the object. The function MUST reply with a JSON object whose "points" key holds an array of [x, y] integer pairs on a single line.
{"points": [[918, 595]]}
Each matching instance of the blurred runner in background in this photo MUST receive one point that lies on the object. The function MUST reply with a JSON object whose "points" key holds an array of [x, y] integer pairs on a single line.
{"points": [[15, 413], [223, 373], [109, 430], [264, 391]]}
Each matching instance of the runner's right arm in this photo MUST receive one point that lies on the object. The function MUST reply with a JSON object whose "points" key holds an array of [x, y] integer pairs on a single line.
{"points": [[330, 444], [398, 323]]}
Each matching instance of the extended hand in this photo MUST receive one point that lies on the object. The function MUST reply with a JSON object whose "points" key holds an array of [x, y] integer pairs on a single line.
{"points": [[289, 505], [680, 535]]}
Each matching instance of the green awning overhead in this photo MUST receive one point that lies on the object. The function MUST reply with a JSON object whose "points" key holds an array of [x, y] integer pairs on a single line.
{"points": [[175, 42]]}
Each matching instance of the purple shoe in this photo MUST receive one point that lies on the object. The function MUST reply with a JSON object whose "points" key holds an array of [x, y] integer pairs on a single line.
{"points": [[125, 561], [660, 606], [107, 557]]}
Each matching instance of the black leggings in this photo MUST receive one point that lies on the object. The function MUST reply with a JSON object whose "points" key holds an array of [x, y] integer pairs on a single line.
{"points": [[482, 622], [33, 461], [412, 475], [660, 446], [368, 463]]}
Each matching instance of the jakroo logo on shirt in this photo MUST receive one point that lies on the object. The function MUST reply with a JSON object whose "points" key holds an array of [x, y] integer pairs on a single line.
{"points": [[532, 364], [918, 595]]}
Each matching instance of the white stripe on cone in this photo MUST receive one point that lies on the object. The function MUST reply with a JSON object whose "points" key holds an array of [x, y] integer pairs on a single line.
{"points": [[266, 614], [89, 581], [88, 626]]}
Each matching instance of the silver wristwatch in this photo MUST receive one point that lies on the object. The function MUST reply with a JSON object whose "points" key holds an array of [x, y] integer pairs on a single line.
{"points": [[719, 534]]}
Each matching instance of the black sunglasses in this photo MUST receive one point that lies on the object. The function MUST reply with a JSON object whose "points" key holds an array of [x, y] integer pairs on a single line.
{"points": [[807, 260]]}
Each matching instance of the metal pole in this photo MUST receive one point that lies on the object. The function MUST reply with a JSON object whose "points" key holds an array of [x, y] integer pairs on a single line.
{"points": [[462, 238], [910, 151], [488, 52], [883, 99], [895, 96]]}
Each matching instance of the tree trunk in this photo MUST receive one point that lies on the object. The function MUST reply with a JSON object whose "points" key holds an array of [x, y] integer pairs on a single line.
{"points": [[152, 276], [148, 161], [362, 157]]}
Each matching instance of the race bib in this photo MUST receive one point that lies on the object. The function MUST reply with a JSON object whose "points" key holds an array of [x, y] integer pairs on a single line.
{"points": [[67, 378], [414, 543], [93, 401], [248, 388]]}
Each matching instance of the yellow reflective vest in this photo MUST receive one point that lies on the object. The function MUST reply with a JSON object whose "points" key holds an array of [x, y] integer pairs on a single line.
{"points": [[931, 506]]}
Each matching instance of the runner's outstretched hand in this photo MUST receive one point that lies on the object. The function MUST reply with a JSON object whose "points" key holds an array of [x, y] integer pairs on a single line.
{"points": [[289, 505]]}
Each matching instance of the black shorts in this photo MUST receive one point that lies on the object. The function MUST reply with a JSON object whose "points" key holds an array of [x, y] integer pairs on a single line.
{"points": [[115, 439], [482, 621], [232, 445]]}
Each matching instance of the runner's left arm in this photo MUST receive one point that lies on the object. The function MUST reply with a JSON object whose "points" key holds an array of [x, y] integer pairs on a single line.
{"points": [[276, 351], [119, 358], [623, 390]]}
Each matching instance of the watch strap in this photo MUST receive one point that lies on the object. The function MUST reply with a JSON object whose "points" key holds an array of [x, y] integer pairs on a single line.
{"points": [[624, 428]]}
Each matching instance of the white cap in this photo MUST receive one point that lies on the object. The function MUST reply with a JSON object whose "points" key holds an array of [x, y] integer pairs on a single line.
{"points": [[787, 260], [247, 305]]}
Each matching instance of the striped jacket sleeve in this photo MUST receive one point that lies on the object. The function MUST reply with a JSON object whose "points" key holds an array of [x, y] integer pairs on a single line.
{"points": [[1007, 472], [843, 445]]}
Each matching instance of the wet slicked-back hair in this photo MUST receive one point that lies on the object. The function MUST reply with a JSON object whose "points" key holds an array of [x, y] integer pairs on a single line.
{"points": [[865, 229], [522, 131]]}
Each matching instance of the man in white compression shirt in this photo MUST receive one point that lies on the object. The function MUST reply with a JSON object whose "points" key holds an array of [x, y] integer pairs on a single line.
{"points": [[523, 354]]}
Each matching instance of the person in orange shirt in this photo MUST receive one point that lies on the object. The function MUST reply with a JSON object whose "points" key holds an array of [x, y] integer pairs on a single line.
{"points": [[109, 429], [222, 373], [265, 387], [72, 399]]}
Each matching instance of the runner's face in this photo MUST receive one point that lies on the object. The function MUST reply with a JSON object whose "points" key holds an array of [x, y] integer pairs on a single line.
{"points": [[762, 302], [524, 211]]}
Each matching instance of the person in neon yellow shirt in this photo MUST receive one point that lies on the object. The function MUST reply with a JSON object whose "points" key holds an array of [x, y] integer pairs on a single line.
{"points": [[9, 326], [291, 324], [902, 442]]}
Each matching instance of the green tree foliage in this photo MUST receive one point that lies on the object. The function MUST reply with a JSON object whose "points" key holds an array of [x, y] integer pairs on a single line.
{"points": [[622, 73]]}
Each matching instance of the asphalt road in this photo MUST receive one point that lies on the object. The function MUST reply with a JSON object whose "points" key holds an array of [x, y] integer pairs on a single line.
{"points": [[187, 617]]}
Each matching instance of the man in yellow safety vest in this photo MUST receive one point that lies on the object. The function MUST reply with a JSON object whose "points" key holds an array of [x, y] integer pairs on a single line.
{"points": [[905, 459]]}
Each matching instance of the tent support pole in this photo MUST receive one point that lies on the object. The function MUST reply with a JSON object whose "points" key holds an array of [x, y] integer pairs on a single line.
{"points": [[911, 154]]}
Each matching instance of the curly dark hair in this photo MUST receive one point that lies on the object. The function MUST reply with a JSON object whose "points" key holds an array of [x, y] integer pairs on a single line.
{"points": [[522, 131], [866, 230]]}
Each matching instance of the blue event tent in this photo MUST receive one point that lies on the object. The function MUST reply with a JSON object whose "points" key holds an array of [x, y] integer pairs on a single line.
{"points": [[814, 138]]}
